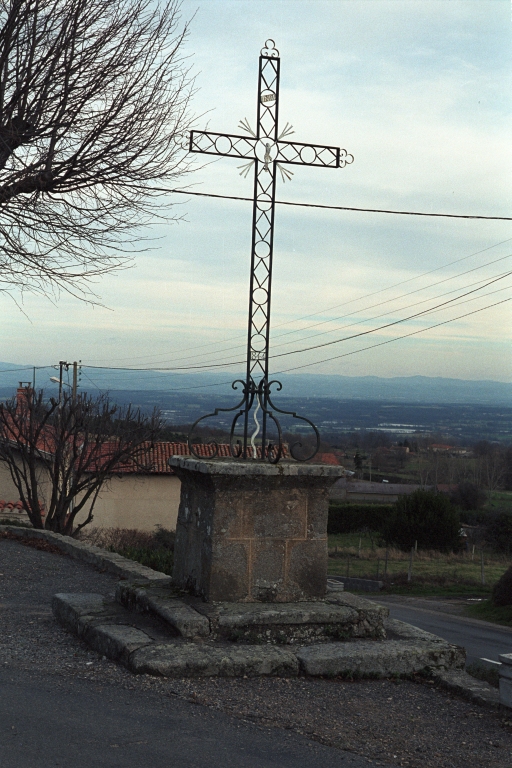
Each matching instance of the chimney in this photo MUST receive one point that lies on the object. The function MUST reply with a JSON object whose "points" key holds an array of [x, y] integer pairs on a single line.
{"points": [[24, 395]]}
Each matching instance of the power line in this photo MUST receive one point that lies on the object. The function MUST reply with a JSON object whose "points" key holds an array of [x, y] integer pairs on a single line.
{"points": [[355, 312], [339, 207], [351, 301], [388, 341], [389, 325], [306, 349]]}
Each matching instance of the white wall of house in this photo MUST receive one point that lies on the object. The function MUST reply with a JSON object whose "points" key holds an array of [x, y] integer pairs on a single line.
{"points": [[125, 501], [137, 501], [8, 491]]}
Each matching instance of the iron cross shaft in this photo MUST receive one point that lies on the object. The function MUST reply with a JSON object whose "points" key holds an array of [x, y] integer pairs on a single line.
{"points": [[265, 151]]}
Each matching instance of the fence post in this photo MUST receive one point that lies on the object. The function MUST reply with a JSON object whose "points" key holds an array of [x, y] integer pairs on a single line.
{"points": [[482, 569], [409, 575], [386, 562], [416, 546], [378, 567], [473, 553], [359, 549], [348, 566]]}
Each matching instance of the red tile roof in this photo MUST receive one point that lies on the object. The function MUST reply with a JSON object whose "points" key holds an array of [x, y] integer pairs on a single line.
{"points": [[154, 458], [326, 458]]}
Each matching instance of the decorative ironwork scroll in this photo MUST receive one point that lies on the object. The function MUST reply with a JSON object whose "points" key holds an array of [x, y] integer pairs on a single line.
{"points": [[267, 152]]}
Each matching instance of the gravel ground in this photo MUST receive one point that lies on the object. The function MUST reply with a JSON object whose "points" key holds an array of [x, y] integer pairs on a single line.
{"points": [[406, 723]]}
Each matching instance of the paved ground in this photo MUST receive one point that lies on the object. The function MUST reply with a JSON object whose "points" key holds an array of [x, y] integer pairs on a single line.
{"points": [[61, 704], [442, 617]]}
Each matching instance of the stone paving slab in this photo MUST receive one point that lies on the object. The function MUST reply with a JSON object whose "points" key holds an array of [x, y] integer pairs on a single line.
{"points": [[378, 659], [341, 615], [191, 660], [184, 618]]}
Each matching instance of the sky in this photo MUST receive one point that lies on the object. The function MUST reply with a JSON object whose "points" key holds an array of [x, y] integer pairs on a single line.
{"points": [[419, 93]]}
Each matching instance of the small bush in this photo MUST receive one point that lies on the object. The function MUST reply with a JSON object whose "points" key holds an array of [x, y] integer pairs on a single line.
{"points": [[468, 496], [349, 518], [155, 550], [502, 590], [426, 517], [499, 531]]}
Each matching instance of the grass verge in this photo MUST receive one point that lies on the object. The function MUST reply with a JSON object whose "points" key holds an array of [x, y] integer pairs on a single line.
{"points": [[434, 573]]}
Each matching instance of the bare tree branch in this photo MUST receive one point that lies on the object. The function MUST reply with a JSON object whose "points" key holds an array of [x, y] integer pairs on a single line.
{"points": [[94, 99], [60, 455]]}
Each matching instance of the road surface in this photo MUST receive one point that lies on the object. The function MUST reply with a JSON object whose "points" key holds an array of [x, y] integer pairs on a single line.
{"points": [[481, 639]]}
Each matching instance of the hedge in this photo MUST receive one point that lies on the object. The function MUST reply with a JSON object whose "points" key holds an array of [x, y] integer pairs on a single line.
{"points": [[346, 517]]}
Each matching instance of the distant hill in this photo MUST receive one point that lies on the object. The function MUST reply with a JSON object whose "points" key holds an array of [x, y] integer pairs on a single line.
{"points": [[410, 389]]}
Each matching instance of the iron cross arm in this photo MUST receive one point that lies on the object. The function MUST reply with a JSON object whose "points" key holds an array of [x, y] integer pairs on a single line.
{"points": [[267, 151]]}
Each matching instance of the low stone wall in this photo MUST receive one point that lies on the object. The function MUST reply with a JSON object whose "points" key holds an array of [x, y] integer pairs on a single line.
{"points": [[88, 553]]}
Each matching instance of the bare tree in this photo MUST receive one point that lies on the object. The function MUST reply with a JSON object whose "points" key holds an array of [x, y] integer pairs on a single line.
{"points": [[93, 102], [60, 454]]}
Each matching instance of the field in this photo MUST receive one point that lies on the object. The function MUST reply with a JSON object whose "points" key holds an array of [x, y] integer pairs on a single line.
{"points": [[433, 573]]}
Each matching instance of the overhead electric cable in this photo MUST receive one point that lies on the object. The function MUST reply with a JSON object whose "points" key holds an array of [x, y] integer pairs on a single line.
{"points": [[305, 349], [339, 207], [388, 341], [350, 301], [364, 309], [386, 325]]}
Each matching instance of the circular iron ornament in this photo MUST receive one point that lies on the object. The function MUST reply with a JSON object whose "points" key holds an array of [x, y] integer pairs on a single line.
{"points": [[262, 249], [260, 296], [269, 50], [258, 342], [308, 155], [264, 204]]}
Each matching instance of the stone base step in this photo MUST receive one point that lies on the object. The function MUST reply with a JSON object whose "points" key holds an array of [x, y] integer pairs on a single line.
{"points": [[340, 616], [112, 631]]}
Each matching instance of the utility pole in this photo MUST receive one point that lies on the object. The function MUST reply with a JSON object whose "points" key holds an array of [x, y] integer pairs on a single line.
{"points": [[75, 381], [62, 365]]}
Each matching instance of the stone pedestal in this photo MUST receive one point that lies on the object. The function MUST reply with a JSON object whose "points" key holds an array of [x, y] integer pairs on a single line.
{"points": [[251, 532]]}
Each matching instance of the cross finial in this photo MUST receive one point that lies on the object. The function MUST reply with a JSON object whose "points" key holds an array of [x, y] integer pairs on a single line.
{"points": [[269, 50]]}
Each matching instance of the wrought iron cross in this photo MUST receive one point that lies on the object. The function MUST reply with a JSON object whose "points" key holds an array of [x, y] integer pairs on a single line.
{"points": [[265, 151]]}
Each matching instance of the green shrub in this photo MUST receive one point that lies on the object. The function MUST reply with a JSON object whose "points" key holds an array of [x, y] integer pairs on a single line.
{"points": [[502, 590], [159, 559], [426, 517], [499, 531], [155, 550], [468, 496], [345, 517]]}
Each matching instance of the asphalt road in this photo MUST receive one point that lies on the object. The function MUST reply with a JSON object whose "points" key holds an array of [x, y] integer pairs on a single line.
{"points": [[47, 721], [479, 638]]}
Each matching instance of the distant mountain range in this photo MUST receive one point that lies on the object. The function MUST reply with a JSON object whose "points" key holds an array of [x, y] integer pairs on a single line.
{"points": [[405, 389]]}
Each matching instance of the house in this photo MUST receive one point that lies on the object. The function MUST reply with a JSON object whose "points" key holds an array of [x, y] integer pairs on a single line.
{"points": [[139, 494]]}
